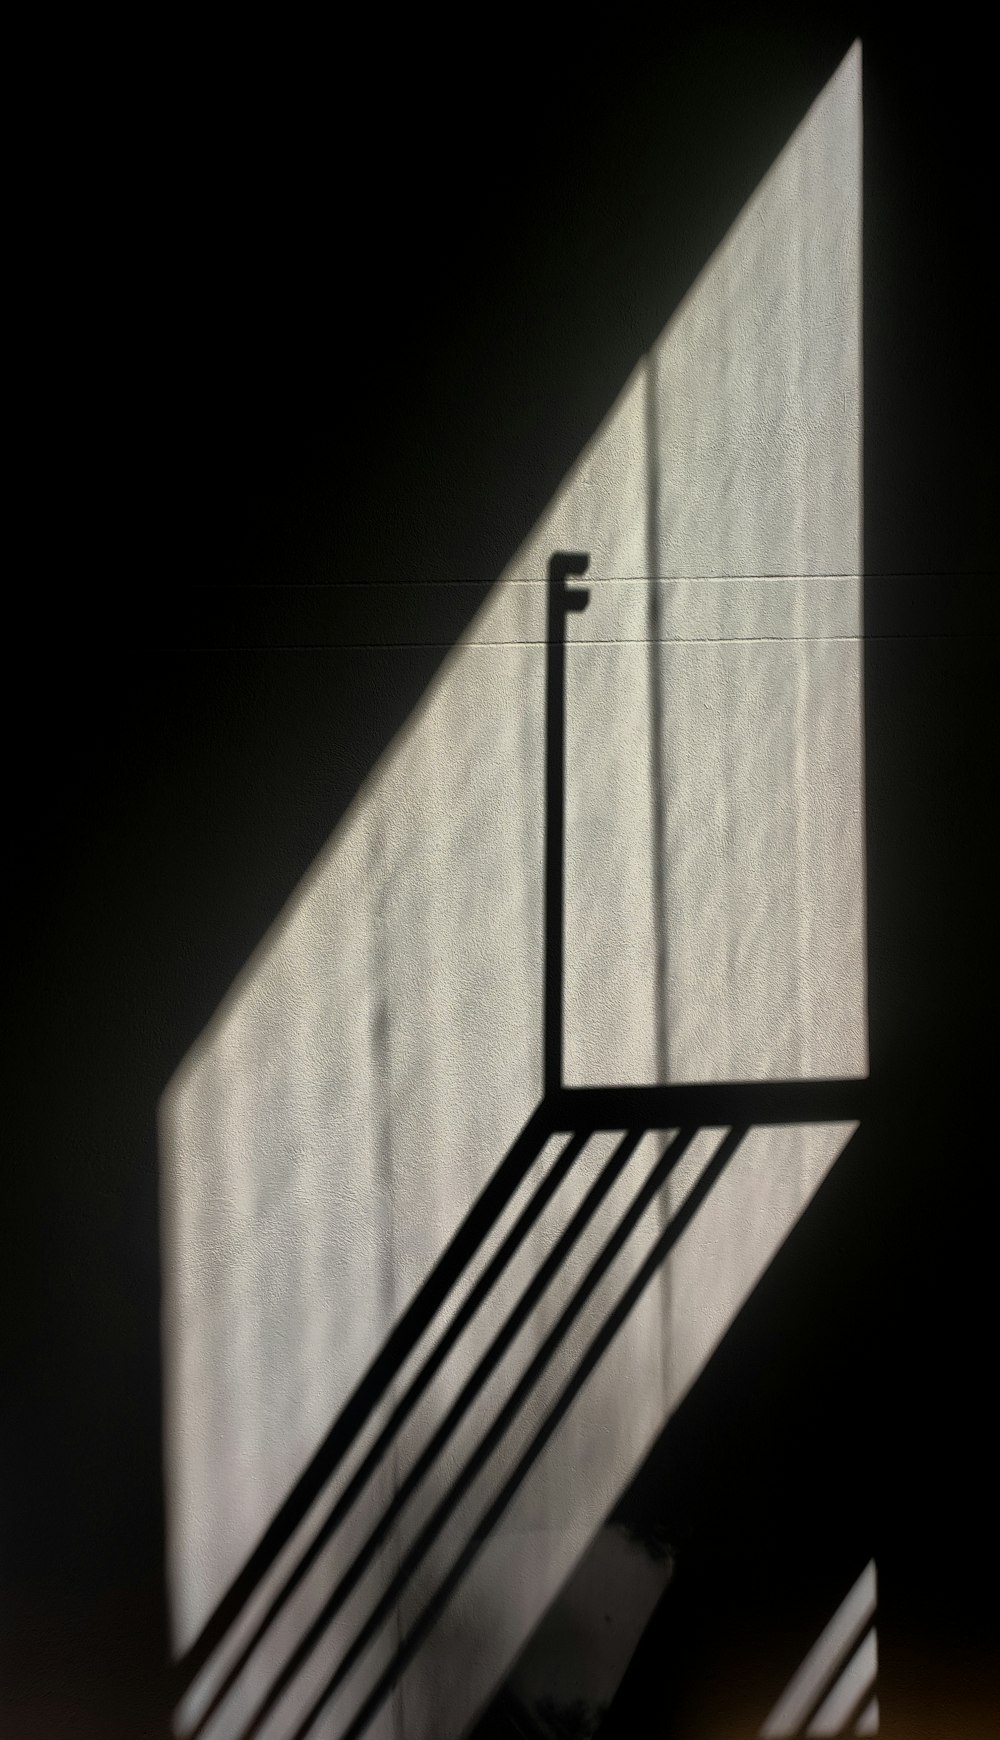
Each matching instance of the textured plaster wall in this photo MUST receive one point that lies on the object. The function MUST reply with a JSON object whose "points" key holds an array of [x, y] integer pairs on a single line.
{"points": [[383, 1047]]}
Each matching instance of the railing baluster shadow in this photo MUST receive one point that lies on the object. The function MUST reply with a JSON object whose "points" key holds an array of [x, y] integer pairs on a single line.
{"points": [[596, 1348], [494, 1435]]}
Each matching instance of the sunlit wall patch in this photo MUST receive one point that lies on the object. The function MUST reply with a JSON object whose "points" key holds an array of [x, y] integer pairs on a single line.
{"points": [[834, 1689]]}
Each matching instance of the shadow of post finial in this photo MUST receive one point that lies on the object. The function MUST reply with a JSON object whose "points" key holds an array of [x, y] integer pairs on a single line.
{"points": [[569, 565]]}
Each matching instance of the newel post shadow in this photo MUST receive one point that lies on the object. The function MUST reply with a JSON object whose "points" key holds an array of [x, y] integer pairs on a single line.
{"points": [[563, 566]]}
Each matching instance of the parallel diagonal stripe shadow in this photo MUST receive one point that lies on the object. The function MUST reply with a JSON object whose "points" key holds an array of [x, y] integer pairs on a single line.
{"points": [[778, 1102], [492, 1438], [515, 1320], [598, 1345]]}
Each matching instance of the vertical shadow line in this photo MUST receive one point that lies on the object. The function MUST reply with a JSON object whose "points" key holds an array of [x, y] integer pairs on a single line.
{"points": [[555, 750], [562, 564]]}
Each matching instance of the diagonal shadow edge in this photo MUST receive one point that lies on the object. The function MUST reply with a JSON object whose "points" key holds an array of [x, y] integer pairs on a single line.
{"points": [[560, 1109]]}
